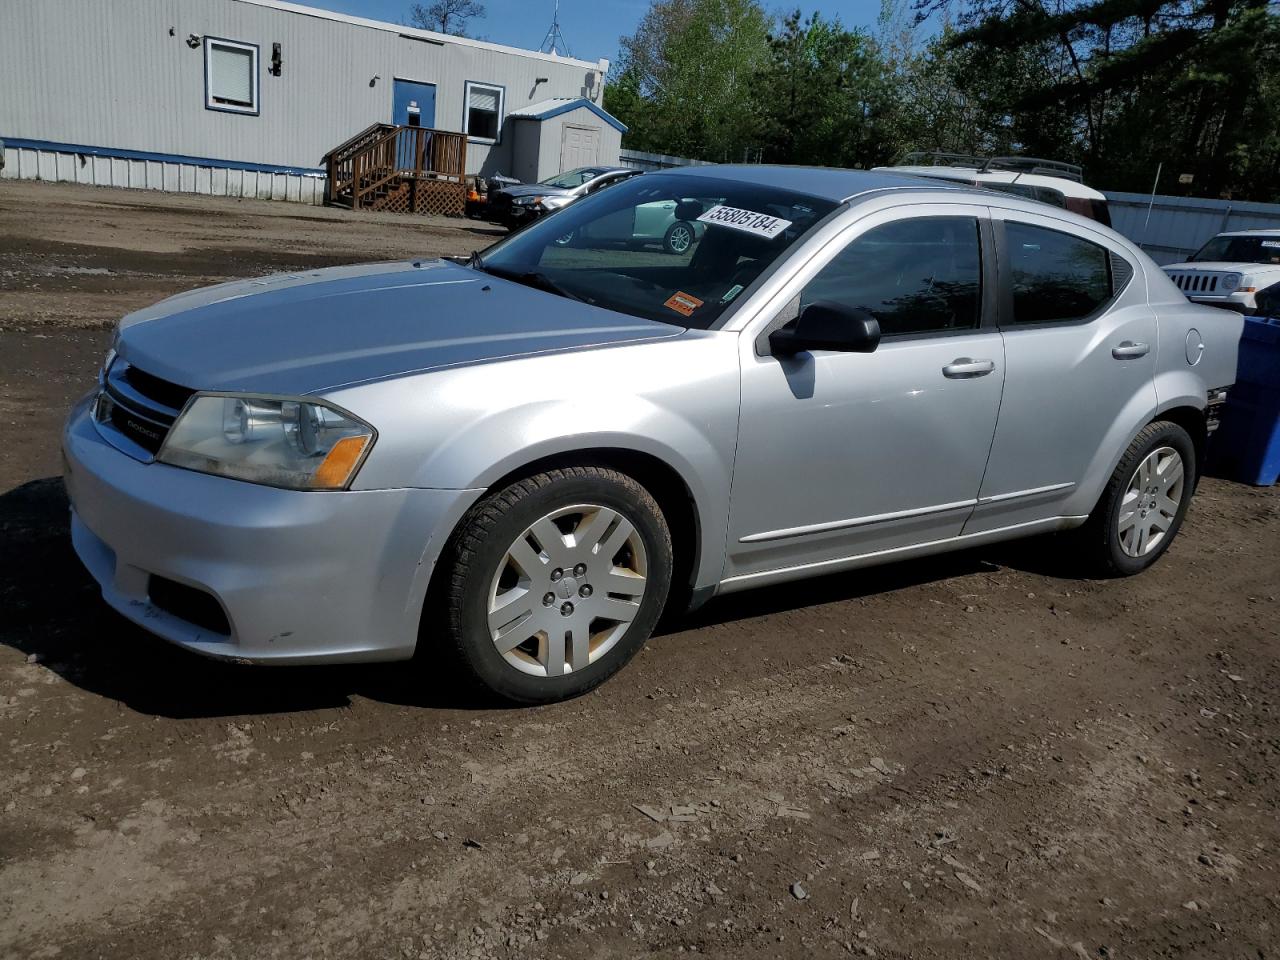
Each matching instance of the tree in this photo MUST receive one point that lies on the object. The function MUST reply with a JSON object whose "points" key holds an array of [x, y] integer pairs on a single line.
{"points": [[825, 95], [446, 16], [685, 78], [1127, 84]]}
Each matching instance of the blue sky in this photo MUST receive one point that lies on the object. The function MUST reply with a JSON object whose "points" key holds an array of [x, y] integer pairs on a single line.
{"points": [[591, 27]]}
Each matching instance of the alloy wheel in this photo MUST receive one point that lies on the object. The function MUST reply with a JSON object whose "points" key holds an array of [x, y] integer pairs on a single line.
{"points": [[680, 240], [567, 589], [1151, 502]]}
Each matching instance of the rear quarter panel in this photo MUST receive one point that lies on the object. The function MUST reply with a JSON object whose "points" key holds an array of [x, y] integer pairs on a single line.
{"points": [[1179, 382]]}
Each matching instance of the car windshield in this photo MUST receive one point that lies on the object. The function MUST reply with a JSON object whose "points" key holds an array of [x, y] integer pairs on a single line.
{"points": [[675, 248], [572, 178], [1253, 249]]}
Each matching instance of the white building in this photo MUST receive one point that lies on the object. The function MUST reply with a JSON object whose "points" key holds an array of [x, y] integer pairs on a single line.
{"points": [[246, 97]]}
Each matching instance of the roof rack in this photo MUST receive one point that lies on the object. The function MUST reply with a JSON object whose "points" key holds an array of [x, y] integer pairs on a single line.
{"points": [[1049, 168]]}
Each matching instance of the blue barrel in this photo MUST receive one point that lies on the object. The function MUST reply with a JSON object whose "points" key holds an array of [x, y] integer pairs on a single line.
{"points": [[1246, 447]]}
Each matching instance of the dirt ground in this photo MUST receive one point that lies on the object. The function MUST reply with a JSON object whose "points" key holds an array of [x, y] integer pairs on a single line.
{"points": [[977, 756]]}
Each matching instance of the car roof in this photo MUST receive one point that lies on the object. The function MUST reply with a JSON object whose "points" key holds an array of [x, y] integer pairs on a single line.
{"points": [[1260, 232], [1069, 188], [828, 183]]}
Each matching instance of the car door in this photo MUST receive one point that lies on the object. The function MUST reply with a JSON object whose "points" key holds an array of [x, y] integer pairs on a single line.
{"points": [[842, 454], [653, 219], [1080, 348]]}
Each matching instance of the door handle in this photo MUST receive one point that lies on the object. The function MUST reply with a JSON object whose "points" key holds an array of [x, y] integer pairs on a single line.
{"points": [[964, 368], [1129, 349]]}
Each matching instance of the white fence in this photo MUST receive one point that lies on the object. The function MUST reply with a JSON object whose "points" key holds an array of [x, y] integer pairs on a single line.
{"points": [[172, 175]]}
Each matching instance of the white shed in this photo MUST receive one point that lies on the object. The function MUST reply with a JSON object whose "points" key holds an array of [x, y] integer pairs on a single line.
{"points": [[560, 134]]}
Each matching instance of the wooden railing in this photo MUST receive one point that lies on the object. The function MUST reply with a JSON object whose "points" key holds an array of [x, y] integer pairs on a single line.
{"points": [[384, 156]]}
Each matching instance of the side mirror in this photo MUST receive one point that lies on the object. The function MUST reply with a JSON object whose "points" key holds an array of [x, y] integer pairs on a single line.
{"points": [[824, 325]]}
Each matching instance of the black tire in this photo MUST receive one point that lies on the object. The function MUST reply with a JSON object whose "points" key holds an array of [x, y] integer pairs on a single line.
{"points": [[1098, 541], [479, 545], [679, 237]]}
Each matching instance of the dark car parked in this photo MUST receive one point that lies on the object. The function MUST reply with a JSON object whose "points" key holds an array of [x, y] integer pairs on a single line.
{"points": [[524, 203]]}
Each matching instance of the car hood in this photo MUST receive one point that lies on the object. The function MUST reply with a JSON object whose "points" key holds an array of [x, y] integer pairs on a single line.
{"points": [[1218, 266], [308, 332], [535, 190]]}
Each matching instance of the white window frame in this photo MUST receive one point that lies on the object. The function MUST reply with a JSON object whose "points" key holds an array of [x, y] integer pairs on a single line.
{"points": [[209, 102], [500, 90]]}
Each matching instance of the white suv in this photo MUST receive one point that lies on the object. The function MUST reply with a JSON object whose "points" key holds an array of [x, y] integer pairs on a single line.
{"points": [[1230, 269], [1049, 181]]}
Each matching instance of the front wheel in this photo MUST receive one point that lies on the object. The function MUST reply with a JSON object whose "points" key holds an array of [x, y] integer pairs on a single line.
{"points": [[556, 582], [1144, 503]]}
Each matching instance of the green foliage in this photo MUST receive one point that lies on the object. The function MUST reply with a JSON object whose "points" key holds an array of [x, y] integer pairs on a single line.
{"points": [[826, 93], [1116, 85], [685, 77], [1186, 83]]}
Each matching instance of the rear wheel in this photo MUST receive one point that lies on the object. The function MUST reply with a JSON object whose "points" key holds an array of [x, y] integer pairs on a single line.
{"points": [[556, 581], [1144, 503], [678, 238]]}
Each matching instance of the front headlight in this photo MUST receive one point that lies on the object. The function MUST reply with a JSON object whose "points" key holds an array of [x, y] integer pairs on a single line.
{"points": [[526, 201], [1230, 281], [297, 444]]}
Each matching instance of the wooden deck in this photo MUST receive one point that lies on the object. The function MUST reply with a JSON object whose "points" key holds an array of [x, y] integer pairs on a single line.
{"points": [[400, 169]]}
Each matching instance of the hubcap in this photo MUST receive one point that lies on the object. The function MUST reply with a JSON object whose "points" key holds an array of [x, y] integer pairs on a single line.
{"points": [[566, 590], [680, 239], [1151, 502]]}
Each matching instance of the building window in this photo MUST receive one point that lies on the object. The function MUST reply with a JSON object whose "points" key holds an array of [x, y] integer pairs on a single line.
{"points": [[483, 118], [230, 76]]}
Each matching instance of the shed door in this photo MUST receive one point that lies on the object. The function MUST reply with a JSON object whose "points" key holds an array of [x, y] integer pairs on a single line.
{"points": [[579, 147]]}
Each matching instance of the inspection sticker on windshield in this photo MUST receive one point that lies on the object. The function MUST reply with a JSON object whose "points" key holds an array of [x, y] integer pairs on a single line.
{"points": [[683, 304], [748, 221]]}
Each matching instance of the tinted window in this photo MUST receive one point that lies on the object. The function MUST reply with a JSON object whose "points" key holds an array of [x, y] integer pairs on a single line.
{"points": [[1044, 194], [914, 276], [1248, 249], [572, 178], [1057, 277], [609, 249]]}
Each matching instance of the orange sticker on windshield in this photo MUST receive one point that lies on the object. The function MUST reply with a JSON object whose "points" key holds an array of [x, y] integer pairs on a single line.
{"points": [[683, 304]]}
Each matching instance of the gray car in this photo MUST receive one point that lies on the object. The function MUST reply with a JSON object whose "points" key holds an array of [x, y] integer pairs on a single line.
{"points": [[522, 203], [516, 464]]}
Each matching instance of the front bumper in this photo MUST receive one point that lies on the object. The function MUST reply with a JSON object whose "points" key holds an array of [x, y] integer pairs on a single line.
{"points": [[515, 217], [301, 576]]}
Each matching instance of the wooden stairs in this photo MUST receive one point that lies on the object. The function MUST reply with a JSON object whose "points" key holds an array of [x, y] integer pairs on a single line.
{"points": [[399, 169]]}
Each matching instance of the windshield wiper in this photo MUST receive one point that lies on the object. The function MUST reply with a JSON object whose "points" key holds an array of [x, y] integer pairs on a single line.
{"points": [[532, 278], [475, 261]]}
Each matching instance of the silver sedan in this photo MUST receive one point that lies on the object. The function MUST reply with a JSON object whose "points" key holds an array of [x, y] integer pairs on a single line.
{"points": [[514, 464]]}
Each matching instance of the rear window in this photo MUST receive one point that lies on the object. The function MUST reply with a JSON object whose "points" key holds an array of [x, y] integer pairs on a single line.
{"points": [[1057, 277]]}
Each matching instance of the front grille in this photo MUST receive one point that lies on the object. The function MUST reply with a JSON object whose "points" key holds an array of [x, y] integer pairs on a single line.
{"points": [[162, 391], [139, 406], [189, 604], [1196, 282]]}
